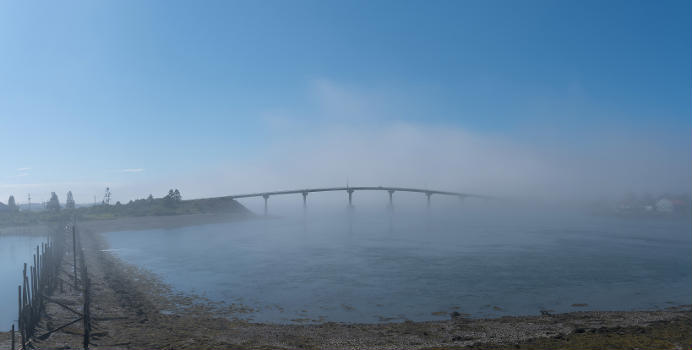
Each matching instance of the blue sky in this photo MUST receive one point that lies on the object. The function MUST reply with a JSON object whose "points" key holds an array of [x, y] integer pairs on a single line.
{"points": [[212, 96]]}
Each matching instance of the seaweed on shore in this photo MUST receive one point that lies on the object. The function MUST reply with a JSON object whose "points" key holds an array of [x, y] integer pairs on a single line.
{"points": [[675, 334]]}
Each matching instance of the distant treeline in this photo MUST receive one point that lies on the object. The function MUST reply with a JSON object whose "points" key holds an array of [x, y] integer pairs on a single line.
{"points": [[171, 204]]}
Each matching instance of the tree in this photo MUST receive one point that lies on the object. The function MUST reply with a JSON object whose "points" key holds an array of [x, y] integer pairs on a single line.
{"points": [[69, 202], [53, 204], [150, 199], [11, 204], [173, 197]]}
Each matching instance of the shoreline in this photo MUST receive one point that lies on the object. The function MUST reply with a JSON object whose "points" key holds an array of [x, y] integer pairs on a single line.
{"points": [[135, 309], [134, 223]]}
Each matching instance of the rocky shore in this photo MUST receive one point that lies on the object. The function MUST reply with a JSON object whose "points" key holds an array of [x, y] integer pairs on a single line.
{"points": [[132, 309]]}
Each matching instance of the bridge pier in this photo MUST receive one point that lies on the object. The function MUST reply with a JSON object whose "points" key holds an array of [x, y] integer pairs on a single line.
{"points": [[350, 198], [428, 195], [266, 197], [391, 211], [305, 205]]}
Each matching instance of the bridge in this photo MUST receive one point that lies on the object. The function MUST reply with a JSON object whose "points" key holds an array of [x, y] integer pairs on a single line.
{"points": [[349, 190]]}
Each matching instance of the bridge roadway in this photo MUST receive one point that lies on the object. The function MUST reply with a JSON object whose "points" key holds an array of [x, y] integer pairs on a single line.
{"points": [[428, 193]]}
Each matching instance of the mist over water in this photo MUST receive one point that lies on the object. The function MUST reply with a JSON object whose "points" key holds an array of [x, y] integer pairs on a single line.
{"points": [[482, 260]]}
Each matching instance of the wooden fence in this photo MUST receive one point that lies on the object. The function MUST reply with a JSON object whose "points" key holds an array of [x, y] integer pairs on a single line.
{"points": [[37, 283], [86, 290], [40, 281]]}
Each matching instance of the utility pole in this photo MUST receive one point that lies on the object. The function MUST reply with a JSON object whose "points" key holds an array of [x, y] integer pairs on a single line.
{"points": [[29, 201]]}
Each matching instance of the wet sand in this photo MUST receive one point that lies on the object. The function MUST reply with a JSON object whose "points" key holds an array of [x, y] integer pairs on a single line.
{"points": [[133, 309]]}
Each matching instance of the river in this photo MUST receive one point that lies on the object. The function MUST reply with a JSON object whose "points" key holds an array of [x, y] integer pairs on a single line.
{"points": [[414, 266], [14, 252]]}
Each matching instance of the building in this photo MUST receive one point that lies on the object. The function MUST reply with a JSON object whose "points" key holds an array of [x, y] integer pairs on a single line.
{"points": [[664, 205]]}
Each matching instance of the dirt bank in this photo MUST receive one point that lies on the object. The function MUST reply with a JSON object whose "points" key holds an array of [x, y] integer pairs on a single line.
{"points": [[132, 309]]}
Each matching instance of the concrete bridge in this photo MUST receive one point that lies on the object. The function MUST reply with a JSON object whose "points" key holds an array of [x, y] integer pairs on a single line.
{"points": [[349, 190]]}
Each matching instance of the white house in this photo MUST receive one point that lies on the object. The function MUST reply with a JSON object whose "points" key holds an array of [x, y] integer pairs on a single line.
{"points": [[664, 205]]}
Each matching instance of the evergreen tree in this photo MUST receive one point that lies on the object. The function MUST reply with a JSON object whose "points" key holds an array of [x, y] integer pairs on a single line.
{"points": [[69, 202], [173, 197], [53, 204], [11, 204]]}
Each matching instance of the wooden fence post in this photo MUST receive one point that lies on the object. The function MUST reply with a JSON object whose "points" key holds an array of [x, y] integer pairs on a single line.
{"points": [[38, 282], [22, 332], [74, 254], [87, 313], [19, 303]]}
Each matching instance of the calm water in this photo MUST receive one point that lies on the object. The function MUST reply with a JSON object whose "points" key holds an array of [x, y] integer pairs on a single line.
{"points": [[14, 252], [472, 262]]}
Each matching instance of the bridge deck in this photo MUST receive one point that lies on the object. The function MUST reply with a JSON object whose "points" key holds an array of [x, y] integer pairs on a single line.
{"points": [[378, 188]]}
